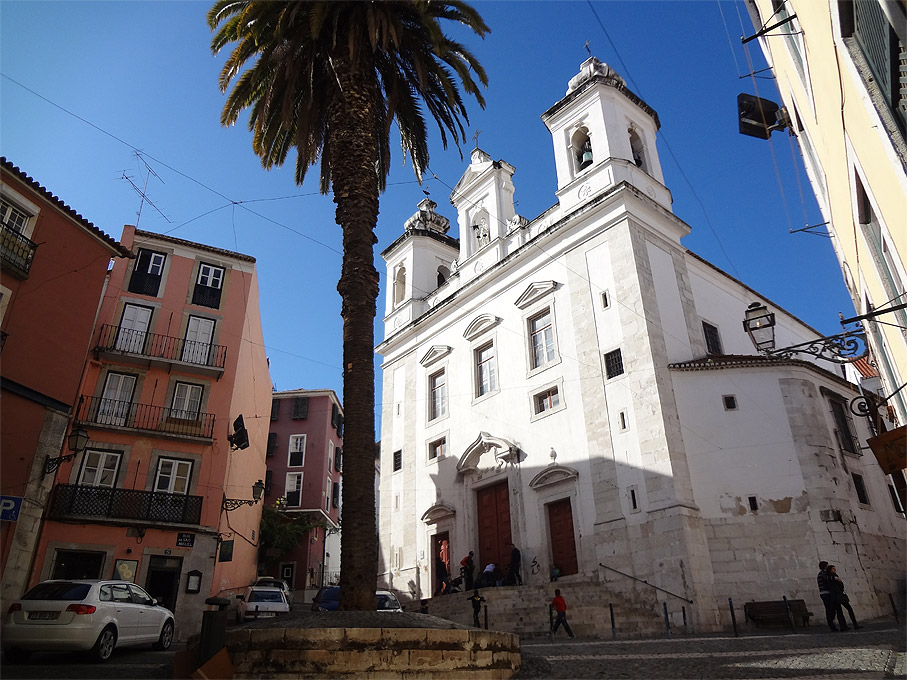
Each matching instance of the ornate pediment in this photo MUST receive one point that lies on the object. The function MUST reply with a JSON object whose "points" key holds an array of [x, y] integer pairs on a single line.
{"points": [[535, 291], [435, 353], [437, 512], [553, 474], [480, 325], [502, 450]]}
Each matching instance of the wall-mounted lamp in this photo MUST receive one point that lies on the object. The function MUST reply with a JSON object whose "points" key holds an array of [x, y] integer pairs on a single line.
{"points": [[233, 503], [76, 441]]}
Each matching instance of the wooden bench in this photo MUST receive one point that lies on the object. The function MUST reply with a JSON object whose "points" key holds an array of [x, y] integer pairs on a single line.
{"points": [[775, 612]]}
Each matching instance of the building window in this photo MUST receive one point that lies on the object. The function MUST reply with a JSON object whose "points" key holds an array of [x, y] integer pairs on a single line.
{"points": [[895, 501], [293, 489], [634, 500], [208, 286], [99, 468], [116, 399], [638, 150], [437, 400], [546, 401], [269, 478], [133, 330], [398, 460], [275, 409], [623, 421], [844, 427], [12, 218], [485, 369], [399, 285], [614, 364], [148, 271], [860, 488], [197, 345], [712, 339], [754, 503], [582, 149], [541, 339], [300, 408], [730, 402], [338, 455], [296, 456], [335, 497], [328, 485], [437, 449], [606, 299], [173, 476], [187, 401], [330, 454], [272, 443]]}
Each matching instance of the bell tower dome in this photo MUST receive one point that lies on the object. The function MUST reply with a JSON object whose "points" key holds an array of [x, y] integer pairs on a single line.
{"points": [[603, 135]]}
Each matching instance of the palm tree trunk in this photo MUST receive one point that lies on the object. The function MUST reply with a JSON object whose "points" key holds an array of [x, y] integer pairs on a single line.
{"points": [[355, 189]]}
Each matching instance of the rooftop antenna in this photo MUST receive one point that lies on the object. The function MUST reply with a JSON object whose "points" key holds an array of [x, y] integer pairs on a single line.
{"points": [[142, 192]]}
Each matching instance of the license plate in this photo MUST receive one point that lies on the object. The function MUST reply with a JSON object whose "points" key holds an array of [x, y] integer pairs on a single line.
{"points": [[43, 616], [260, 614]]}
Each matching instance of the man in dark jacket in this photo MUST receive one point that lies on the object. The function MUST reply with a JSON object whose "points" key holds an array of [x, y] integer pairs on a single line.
{"points": [[515, 560], [829, 598]]}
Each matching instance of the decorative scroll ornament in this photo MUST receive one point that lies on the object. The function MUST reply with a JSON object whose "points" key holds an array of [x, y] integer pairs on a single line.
{"points": [[840, 349]]}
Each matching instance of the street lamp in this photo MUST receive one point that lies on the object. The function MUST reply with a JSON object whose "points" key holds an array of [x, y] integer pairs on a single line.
{"points": [[76, 442], [759, 324], [234, 503]]}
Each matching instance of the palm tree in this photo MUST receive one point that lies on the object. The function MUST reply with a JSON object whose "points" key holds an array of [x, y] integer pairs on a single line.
{"points": [[329, 79]]}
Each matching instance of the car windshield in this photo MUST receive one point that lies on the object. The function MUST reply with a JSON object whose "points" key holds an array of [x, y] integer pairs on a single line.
{"points": [[265, 596], [63, 590], [387, 602]]}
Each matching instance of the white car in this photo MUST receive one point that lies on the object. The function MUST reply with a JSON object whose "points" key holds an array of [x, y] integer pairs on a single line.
{"points": [[272, 582], [89, 615], [261, 602]]}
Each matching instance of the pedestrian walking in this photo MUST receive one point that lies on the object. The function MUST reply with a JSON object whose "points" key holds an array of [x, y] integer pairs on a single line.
{"points": [[841, 599], [477, 601], [829, 598], [513, 575], [560, 608], [442, 576], [467, 569]]}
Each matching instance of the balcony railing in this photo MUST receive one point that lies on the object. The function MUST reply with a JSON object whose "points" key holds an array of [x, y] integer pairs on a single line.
{"points": [[127, 414], [152, 345], [74, 500], [16, 250]]}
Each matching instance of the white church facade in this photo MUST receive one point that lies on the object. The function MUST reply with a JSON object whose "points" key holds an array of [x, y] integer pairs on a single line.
{"points": [[580, 385]]}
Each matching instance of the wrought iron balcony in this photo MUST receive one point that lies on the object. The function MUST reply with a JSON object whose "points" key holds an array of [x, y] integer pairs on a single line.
{"points": [[17, 251], [141, 344], [73, 500], [133, 416]]}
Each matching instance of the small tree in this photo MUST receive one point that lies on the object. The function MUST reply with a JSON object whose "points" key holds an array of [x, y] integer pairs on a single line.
{"points": [[280, 532]]}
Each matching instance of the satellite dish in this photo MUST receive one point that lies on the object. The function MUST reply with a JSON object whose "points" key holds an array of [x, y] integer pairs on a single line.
{"points": [[240, 437]]}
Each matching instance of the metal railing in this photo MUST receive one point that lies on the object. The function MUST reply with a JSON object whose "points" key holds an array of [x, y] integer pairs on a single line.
{"points": [[644, 582], [75, 500], [17, 250], [142, 343], [127, 414]]}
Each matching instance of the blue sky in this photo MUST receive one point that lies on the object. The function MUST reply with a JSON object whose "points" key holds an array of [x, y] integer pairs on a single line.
{"points": [[87, 85]]}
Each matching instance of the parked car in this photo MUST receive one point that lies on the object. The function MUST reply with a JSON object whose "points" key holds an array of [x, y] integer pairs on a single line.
{"points": [[90, 615], [271, 582], [259, 602], [326, 600]]}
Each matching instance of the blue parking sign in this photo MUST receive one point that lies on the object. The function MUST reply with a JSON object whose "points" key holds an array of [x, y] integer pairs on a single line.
{"points": [[9, 508]]}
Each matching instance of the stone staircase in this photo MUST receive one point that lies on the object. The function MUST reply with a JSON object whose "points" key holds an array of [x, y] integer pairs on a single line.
{"points": [[524, 610]]}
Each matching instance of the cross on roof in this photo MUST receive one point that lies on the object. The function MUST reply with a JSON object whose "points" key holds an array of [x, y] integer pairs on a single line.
{"points": [[475, 137]]}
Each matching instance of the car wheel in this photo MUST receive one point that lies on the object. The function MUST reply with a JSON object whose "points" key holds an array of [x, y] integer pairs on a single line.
{"points": [[166, 637], [16, 655], [103, 648]]}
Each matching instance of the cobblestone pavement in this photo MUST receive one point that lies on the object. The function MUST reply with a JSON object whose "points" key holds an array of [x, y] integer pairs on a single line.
{"points": [[876, 651]]}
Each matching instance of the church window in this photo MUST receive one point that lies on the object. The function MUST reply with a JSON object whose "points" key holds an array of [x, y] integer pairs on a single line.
{"points": [[581, 144], [638, 150], [443, 274], [547, 400], [606, 299], [614, 364], [398, 460], [712, 338], [730, 402], [399, 285], [437, 448], [485, 369], [634, 501], [623, 421], [437, 399], [541, 339]]}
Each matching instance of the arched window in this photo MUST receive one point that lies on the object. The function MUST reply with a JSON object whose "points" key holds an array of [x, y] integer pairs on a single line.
{"points": [[399, 285], [443, 274], [582, 149], [638, 151]]}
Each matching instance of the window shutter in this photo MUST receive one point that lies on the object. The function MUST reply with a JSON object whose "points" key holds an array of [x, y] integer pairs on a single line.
{"points": [[335, 497], [268, 475], [334, 414], [300, 408], [275, 409], [272, 443], [338, 453]]}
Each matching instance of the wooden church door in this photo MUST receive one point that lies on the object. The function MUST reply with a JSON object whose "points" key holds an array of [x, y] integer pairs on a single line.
{"points": [[493, 504], [563, 542]]}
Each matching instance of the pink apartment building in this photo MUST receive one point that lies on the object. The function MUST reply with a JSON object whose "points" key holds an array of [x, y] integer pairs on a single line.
{"points": [[176, 376], [54, 268], [304, 460]]}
